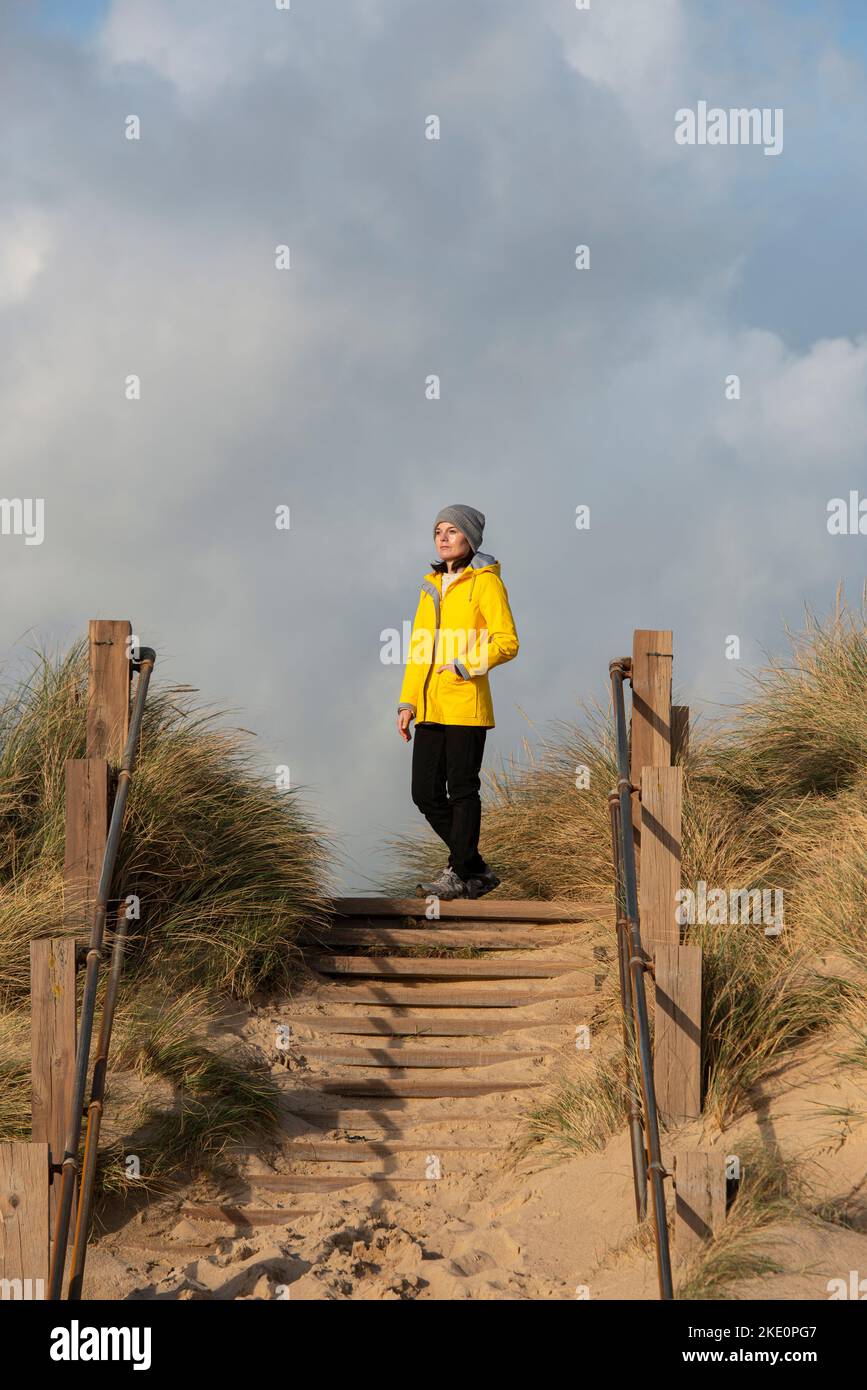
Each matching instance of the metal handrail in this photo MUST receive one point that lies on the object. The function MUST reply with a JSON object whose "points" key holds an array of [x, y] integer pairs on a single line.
{"points": [[633, 1100], [646, 1150], [70, 1167]]}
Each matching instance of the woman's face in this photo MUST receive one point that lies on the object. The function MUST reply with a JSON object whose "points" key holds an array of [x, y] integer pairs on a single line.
{"points": [[451, 543]]}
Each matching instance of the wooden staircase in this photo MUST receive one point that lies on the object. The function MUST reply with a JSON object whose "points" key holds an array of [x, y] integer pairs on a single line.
{"points": [[479, 1006]]}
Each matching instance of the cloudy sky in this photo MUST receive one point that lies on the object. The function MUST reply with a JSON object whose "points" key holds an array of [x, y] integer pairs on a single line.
{"points": [[305, 387]]}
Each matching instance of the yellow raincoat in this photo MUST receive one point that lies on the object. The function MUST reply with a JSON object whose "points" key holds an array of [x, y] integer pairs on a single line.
{"points": [[472, 626]]}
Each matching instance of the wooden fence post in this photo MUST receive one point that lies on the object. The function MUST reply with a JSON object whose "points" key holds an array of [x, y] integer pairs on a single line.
{"points": [[679, 733], [659, 881], [27, 1192], [87, 779], [52, 960], [86, 834], [677, 1033], [23, 1220], [700, 1199], [52, 1044], [651, 710], [109, 675], [660, 734]]}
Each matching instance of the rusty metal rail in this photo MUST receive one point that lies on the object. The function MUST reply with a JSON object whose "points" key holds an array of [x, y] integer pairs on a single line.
{"points": [[647, 1166], [71, 1167]]}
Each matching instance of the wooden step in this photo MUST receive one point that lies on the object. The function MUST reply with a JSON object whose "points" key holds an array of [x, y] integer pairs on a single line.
{"points": [[393, 1118], [533, 930], [433, 968], [358, 1151], [477, 938], [380, 1086], [419, 997], [502, 909], [403, 1056], [331, 1182], [407, 1025], [243, 1216]]}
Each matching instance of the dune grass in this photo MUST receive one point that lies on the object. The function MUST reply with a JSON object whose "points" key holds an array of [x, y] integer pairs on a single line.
{"points": [[585, 1107], [226, 870]]}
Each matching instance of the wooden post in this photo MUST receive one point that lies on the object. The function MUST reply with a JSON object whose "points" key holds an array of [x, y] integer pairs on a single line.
{"points": [[23, 1220], [700, 1199], [109, 674], [679, 733], [659, 734], [52, 961], [87, 779], [52, 1044], [677, 1035], [661, 807], [651, 709], [86, 833]]}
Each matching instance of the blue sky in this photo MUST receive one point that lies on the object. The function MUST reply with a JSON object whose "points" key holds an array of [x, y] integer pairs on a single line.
{"points": [[76, 18], [846, 18]]}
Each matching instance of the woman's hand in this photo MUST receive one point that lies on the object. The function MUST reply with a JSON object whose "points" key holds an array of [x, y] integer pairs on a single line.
{"points": [[404, 718], [451, 666]]}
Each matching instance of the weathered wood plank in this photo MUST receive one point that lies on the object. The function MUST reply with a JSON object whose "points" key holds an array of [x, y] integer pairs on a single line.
{"points": [[422, 997], [392, 1118], [243, 1216], [435, 968], [679, 734], [403, 1056], [651, 708], [24, 1218], [378, 1086], [109, 673], [677, 1035], [420, 1025], [482, 909], [314, 1182], [52, 1044], [533, 931], [356, 1151], [661, 809], [479, 938], [700, 1199], [86, 832]]}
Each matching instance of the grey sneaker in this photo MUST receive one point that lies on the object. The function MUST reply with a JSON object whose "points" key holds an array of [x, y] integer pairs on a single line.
{"points": [[480, 884], [447, 886]]}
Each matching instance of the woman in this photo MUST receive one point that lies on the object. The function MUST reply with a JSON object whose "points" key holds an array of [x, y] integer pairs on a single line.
{"points": [[463, 626]]}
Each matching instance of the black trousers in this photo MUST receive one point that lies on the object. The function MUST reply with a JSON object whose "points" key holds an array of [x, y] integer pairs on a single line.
{"points": [[446, 759]]}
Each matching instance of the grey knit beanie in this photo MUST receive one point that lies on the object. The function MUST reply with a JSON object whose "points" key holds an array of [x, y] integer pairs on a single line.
{"points": [[467, 519]]}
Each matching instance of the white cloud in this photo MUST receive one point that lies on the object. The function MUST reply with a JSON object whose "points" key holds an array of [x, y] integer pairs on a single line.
{"points": [[25, 243], [638, 51], [200, 46]]}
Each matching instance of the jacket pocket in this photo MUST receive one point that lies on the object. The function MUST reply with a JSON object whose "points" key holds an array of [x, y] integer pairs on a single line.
{"points": [[458, 698]]}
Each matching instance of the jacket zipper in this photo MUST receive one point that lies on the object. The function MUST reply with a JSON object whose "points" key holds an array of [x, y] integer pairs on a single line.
{"points": [[436, 635]]}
